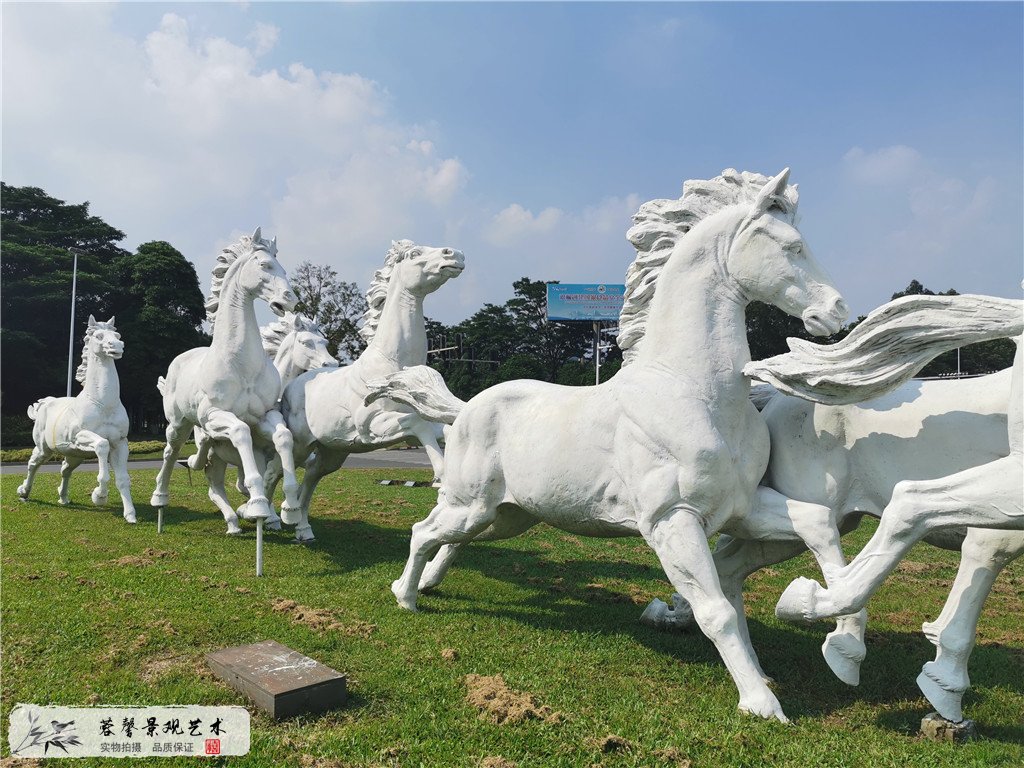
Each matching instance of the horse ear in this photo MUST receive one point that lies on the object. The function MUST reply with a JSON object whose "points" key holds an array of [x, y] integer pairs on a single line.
{"points": [[766, 197], [257, 235], [92, 321], [111, 320]]}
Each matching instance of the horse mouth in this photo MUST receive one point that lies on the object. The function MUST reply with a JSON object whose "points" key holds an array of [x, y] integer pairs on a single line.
{"points": [[451, 270], [277, 308], [817, 325]]}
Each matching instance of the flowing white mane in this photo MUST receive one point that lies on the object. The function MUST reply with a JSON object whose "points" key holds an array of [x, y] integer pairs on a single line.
{"points": [[89, 333], [658, 227], [275, 333], [377, 293], [888, 347], [245, 246]]}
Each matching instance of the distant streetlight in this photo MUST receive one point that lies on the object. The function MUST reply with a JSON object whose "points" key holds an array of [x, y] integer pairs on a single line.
{"points": [[71, 334]]}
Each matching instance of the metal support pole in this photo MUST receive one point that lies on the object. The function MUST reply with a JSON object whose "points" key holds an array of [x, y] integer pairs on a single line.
{"points": [[159, 519], [597, 352], [259, 546], [71, 333]]}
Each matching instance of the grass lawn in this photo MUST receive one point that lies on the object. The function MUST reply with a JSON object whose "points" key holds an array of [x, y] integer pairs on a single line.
{"points": [[554, 614]]}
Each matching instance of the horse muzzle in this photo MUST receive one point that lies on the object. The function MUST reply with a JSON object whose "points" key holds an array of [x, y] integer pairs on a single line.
{"points": [[825, 322]]}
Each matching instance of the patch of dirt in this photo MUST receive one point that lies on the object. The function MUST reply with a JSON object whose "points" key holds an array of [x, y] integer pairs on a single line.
{"points": [[911, 566], [148, 557], [501, 704], [321, 619], [86, 582], [20, 762], [165, 625], [613, 743], [209, 583], [243, 590], [449, 654], [674, 756], [496, 761], [153, 669], [140, 641]]}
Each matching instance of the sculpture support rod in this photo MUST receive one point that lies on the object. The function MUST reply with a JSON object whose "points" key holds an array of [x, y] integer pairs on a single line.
{"points": [[597, 352], [159, 519], [259, 547]]}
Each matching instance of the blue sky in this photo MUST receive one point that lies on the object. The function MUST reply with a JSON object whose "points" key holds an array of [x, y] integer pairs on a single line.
{"points": [[527, 134]]}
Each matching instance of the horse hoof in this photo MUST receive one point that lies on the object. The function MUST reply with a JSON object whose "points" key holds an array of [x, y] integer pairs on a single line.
{"points": [[304, 535], [658, 615], [843, 653], [274, 525], [235, 530], [291, 515], [763, 705], [64, 502], [129, 517], [255, 509], [797, 599], [22, 493], [158, 500], [947, 703], [403, 601], [99, 499]]}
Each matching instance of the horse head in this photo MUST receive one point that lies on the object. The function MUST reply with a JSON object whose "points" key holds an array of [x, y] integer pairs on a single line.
{"points": [[309, 345], [770, 262], [261, 274], [424, 269], [102, 339]]}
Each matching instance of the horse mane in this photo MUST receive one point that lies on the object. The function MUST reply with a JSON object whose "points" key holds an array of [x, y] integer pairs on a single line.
{"points": [[274, 334], [888, 347], [246, 245], [659, 225], [90, 331], [377, 293]]}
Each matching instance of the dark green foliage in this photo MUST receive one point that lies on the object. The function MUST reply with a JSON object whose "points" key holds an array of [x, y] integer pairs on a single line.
{"points": [[160, 309], [154, 294], [336, 305]]}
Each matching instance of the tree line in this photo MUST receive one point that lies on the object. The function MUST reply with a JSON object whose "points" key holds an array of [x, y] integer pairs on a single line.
{"points": [[154, 292]]}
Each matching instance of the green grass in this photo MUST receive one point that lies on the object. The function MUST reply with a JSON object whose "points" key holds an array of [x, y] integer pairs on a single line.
{"points": [[555, 614]]}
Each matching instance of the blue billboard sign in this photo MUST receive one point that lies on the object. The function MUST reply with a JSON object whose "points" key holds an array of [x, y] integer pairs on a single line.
{"points": [[585, 301]]}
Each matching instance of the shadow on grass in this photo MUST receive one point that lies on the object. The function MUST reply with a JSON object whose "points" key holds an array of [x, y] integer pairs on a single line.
{"points": [[567, 596]]}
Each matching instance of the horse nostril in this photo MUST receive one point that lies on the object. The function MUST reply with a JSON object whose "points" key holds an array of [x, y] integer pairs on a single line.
{"points": [[840, 308]]}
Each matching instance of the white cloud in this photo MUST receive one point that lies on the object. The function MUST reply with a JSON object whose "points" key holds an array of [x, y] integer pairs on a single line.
{"points": [[264, 36], [885, 166], [515, 222]]}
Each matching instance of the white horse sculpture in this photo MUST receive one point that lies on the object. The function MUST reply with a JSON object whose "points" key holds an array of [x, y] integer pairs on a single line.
{"points": [[325, 410], [989, 495], [296, 344], [671, 448], [231, 388], [93, 422]]}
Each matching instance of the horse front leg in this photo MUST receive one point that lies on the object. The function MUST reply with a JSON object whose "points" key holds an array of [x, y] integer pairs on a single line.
{"points": [[225, 425], [36, 460], [429, 434], [988, 496], [198, 460], [679, 540], [119, 463], [274, 429], [319, 464], [983, 556], [90, 441], [177, 433], [216, 468]]}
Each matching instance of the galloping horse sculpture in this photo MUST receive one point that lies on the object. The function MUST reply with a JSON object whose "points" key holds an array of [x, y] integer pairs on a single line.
{"points": [[296, 345], [94, 422], [231, 388], [984, 493], [325, 410], [671, 448]]}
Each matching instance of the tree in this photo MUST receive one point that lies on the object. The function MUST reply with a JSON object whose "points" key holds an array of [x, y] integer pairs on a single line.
{"points": [[335, 304], [37, 231], [159, 314]]}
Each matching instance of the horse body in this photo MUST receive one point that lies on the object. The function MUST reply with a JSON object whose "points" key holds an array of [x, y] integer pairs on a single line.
{"points": [[325, 409], [92, 423], [231, 388], [670, 448], [295, 344]]}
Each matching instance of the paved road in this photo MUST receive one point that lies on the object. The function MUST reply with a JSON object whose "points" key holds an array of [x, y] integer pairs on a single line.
{"points": [[405, 459]]}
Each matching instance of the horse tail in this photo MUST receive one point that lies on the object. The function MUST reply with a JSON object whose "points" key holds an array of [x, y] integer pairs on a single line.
{"points": [[161, 384], [37, 406], [888, 347], [422, 389]]}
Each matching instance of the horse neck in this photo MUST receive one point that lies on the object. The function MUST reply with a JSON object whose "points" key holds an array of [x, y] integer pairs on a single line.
{"points": [[401, 334], [697, 323], [236, 335], [101, 384], [285, 363]]}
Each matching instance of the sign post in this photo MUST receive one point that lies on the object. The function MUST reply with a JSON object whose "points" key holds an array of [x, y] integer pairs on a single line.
{"points": [[596, 302]]}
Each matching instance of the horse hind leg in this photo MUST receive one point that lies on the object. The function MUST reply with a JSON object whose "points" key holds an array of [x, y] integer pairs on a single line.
{"points": [[122, 480], [446, 524], [984, 554], [39, 456], [66, 468], [510, 522], [177, 434]]}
